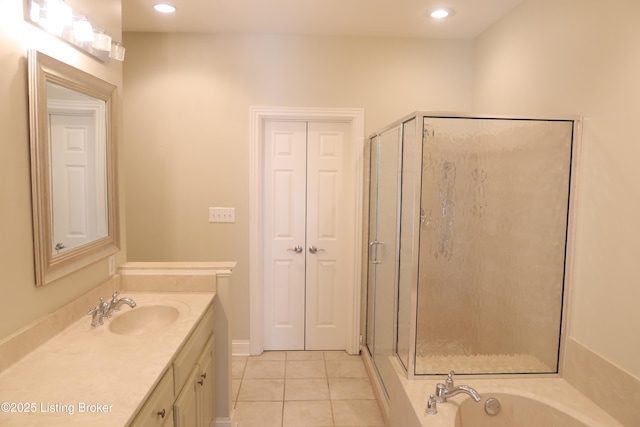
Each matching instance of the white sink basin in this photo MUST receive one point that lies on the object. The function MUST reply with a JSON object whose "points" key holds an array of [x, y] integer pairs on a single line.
{"points": [[143, 320]]}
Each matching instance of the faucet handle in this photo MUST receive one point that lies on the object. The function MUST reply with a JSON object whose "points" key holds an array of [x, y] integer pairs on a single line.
{"points": [[449, 381], [432, 406], [97, 313], [112, 305]]}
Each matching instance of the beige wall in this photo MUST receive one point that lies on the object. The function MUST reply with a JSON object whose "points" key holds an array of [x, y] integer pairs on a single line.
{"points": [[22, 301], [583, 57], [187, 99]]}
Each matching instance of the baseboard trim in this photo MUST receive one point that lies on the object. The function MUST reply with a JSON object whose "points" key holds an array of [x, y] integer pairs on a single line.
{"points": [[223, 422], [240, 348]]}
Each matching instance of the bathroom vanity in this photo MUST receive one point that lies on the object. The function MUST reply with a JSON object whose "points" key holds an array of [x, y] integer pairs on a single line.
{"points": [[185, 395], [165, 362]]}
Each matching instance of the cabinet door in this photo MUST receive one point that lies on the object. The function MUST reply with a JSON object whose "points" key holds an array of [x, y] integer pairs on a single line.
{"points": [[185, 407], [207, 385], [157, 411]]}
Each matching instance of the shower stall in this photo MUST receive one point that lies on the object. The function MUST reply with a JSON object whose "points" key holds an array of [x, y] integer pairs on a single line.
{"points": [[468, 238]]}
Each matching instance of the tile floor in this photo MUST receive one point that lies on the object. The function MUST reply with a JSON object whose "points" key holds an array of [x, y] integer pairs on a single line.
{"points": [[303, 389]]}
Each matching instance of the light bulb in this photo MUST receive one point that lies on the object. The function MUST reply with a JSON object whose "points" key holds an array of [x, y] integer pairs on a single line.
{"points": [[440, 13], [83, 30], [164, 8], [34, 13]]}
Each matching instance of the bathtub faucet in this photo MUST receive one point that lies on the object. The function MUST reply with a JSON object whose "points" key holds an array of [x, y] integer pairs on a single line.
{"points": [[444, 391]]}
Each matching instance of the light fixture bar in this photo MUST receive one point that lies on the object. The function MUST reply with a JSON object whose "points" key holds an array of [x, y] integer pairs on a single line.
{"points": [[58, 19]]}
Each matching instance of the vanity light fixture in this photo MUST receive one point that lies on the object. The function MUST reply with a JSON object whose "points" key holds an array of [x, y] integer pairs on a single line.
{"points": [[441, 13], [164, 8], [57, 18]]}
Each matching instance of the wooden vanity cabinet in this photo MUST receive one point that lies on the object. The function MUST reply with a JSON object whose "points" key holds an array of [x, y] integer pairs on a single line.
{"points": [[187, 389]]}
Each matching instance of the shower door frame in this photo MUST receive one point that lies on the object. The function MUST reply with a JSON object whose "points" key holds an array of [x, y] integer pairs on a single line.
{"points": [[576, 151]]}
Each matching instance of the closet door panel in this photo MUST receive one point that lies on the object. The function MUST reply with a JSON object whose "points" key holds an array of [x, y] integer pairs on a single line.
{"points": [[285, 224], [326, 269]]}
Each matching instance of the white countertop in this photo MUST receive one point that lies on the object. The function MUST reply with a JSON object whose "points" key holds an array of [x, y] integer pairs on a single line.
{"points": [[91, 376]]}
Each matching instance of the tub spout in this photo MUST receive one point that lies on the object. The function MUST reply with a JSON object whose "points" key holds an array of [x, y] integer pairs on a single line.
{"points": [[442, 392]]}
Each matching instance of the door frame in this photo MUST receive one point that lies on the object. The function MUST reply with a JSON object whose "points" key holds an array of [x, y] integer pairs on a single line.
{"points": [[354, 176]]}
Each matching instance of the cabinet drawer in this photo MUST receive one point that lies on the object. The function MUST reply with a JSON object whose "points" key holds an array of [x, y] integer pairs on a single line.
{"points": [[158, 410], [186, 358]]}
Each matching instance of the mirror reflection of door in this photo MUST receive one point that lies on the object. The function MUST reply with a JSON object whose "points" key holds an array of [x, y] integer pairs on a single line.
{"points": [[78, 169]]}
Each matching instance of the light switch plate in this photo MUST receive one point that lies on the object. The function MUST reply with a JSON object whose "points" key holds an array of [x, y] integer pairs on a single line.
{"points": [[222, 214]]}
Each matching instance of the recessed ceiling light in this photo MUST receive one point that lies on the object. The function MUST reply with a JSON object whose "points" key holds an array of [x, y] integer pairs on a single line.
{"points": [[440, 13], [164, 8]]}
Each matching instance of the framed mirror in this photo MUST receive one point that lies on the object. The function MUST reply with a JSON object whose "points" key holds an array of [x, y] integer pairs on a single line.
{"points": [[73, 164]]}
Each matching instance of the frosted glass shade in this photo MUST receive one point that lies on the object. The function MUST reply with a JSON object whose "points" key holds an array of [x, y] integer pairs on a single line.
{"points": [[101, 41], [117, 51]]}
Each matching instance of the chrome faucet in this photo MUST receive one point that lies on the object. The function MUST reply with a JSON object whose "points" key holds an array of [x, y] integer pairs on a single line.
{"points": [[115, 303], [444, 391], [104, 309]]}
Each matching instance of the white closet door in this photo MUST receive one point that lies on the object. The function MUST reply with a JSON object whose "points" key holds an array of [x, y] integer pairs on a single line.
{"points": [[284, 227], [304, 261], [326, 269]]}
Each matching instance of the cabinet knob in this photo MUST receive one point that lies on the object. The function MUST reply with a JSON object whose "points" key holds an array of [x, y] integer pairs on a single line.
{"points": [[162, 413]]}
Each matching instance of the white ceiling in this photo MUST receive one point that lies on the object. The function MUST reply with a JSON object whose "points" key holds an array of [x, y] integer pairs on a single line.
{"points": [[371, 18]]}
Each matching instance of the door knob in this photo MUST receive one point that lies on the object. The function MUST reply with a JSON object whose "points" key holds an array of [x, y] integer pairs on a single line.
{"points": [[313, 250], [297, 249]]}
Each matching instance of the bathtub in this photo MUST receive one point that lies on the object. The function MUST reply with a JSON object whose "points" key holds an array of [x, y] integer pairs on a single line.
{"points": [[513, 410], [526, 402]]}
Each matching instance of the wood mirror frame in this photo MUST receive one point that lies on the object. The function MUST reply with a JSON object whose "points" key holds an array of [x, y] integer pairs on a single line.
{"points": [[51, 264]]}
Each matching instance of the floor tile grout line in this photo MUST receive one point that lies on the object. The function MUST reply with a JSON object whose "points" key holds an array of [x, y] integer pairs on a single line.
{"points": [[326, 371], [284, 387]]}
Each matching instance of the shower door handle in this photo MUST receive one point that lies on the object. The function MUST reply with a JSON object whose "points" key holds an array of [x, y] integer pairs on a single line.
{"points": [[373, 252]]}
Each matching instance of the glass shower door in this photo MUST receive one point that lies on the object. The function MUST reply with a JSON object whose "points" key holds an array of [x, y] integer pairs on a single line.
{"points": [[383, 252], [495, 197]]}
